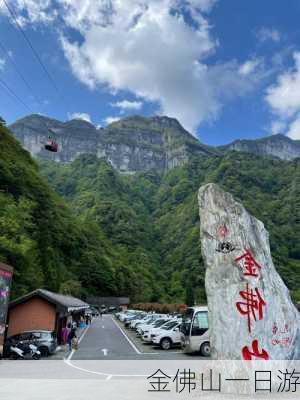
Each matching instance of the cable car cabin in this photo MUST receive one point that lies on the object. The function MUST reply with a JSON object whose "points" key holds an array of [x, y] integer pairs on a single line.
{"points": [[51, 145]]}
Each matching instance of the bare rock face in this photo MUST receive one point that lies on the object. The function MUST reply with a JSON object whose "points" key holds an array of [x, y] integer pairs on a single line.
{"points": [[133, 144], [251, 314], [279, 146]]}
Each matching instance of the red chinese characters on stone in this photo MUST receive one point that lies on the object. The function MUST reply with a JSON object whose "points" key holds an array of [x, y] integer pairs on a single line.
{"points": [[286, 329], [253, 305], [250, 266], [274, 328], [254, 353], [281, 335], [222, 231], [283, 342]]}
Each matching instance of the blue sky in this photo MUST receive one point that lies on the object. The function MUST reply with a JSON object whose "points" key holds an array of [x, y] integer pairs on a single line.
{"points": [[226, 69]]}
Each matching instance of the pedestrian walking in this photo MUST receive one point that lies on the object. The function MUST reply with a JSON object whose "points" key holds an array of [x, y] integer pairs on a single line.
{"points": [[74, 324], [65, 333], [71, 337]]}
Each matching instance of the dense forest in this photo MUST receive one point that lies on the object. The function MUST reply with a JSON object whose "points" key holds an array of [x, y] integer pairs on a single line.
{"points": [[47, 243], [83, 228], [153, 217]]}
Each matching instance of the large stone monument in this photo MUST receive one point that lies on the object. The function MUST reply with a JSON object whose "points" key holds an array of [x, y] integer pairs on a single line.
{"points": [[251, 315]]}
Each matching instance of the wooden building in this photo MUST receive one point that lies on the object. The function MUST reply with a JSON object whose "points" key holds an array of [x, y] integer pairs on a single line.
{"points": [[43, 310]]}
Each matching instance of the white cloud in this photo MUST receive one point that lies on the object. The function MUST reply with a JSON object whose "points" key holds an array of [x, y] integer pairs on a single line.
{"points": [[284, 96], [2, 64], [294, 129], [126, 105], [110, 120], [203, 5], [31, 11], [283, 99], [250, 66], [265, 34], [144, 50], [154, 49], [278, 127], [79, 115]]}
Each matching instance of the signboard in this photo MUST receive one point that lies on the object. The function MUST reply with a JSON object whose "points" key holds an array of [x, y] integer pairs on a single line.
{"points": [[6, 273]]}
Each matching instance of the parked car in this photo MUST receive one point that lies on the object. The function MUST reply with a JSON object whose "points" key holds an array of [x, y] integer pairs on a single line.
{"points": [[103, 309], [147, 338], [94, 311], [167, 338], [149, 323], [125, 314], [121, 315], [45, 341], [140, 320], [132, 317]]}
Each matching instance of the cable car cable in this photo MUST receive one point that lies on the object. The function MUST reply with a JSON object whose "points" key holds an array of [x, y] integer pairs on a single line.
{"points": [[14, 16], [6, 52], [13, 94]]}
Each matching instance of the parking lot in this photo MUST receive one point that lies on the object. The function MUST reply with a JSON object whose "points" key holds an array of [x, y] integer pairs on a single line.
{"points": [[107, 339], [148, 348]]}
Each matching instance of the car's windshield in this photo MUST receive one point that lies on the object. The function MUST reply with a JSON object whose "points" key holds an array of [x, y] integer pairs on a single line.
{"points": [[47, 335], [167, 324], [171, 326], [200, 323], [159, 323]]}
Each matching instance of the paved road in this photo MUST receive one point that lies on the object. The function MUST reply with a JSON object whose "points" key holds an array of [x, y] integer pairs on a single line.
{"points": [[106, 339]]}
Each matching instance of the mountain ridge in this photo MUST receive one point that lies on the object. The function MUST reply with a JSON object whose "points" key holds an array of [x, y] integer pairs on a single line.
{"points": [[278, 145], [132, 144], [136, 143]]}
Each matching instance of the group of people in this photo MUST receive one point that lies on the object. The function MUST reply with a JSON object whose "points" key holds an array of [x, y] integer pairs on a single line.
{"points": [[69, 335]]}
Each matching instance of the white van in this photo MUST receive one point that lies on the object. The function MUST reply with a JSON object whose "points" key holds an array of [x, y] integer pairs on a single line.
{"points": [[194, 331]]}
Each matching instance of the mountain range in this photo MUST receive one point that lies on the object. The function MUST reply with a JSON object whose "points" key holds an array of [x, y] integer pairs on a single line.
{"points": [[136, 144]]}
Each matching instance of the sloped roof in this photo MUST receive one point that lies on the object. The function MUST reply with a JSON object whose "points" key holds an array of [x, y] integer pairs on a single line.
{"points": [[68, 302]]}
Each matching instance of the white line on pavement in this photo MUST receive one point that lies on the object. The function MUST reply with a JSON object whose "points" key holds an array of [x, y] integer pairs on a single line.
{"points": [[70, 355], [109, 376], [105, 351], [124, 334]]}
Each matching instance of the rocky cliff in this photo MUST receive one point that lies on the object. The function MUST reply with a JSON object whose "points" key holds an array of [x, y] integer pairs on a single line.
{"points": [[279, 146], [130, 145], [136, 143]]}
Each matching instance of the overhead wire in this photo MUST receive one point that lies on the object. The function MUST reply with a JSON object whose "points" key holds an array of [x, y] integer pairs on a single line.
{"points": [[24, 80], [13, 94], [26, 38]]}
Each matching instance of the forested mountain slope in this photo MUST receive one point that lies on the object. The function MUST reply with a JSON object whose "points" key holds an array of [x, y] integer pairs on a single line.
{"points": [[153, 217], [51, 247]]}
